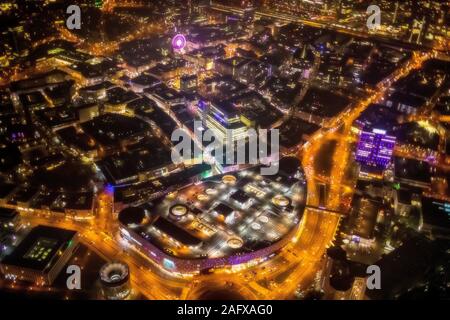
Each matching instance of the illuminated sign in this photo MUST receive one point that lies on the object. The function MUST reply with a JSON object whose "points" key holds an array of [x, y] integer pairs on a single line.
{"points": [[169, 264]]}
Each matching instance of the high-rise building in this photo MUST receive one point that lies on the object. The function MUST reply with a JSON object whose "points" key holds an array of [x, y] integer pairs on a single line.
{"points": [[225, 122], [375, 149]]}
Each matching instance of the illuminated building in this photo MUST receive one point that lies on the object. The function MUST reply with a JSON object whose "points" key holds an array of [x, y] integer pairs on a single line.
{"points": [[412, 172], [87, 112], [40, 256], [114, 131], [95, 93], [222, 119], [115, 281], [143, 81], [404, 102], [165, 97], [189, 83], [375, 149], [9, 219], [221, 222], [363, 220]]}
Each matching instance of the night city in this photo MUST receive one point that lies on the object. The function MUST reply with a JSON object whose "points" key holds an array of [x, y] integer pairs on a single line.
{"points": [[222, 150]]}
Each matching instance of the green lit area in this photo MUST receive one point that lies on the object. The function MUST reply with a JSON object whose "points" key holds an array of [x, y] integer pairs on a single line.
{"points": [[41, 250], [98, 3]]}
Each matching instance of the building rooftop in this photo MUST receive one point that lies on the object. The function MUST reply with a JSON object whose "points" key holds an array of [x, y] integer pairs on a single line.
{"points": [[39, 81], [175, 232], [366, 214], [145, 80], [231, 213], [404, 268], [148, 156], [413, 170], [109, 129], [98, 86], [419, 134], [148, 109], [164, 93], [257, 109], [7, 214], [436, 213], [323, 103], [118, 95], [295, 131], [95, 68], [40, 247], [54, 117]]}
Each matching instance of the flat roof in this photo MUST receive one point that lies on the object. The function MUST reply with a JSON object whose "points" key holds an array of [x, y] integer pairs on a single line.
{"points": [[407, 98], [39, 248], [365, 221], [175, 232], [148, 109], [147, 156], [436, 213], [240, 196], [7, 214], [109, 129], [412, 169], [145, 190], [40, 80], [53, 117], [164, 92], [223, 209], [145, 80], [99, 86], [258, 226], [323, 103]]}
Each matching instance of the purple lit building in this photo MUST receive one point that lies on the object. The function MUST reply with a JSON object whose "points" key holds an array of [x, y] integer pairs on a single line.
{"points": [[375, 149]]}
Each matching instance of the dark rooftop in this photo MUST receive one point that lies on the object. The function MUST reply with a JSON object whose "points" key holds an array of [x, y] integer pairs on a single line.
{"points": [[323, 103], [38, 250], [398, 273], [223, 209], [109, 129], [176, 232], [436, 213], [7, 214], [411, 169]]}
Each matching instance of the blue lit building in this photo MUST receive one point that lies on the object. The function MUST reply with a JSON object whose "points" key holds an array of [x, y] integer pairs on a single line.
{"points": [[223, 119], [375, 149]]}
